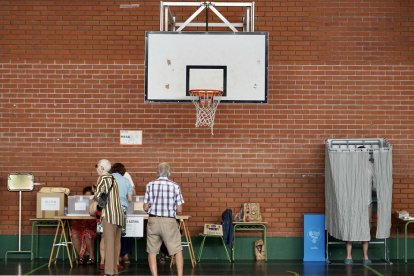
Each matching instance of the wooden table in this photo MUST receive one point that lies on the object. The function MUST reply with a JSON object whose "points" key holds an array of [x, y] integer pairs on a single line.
{"points": [[249, 226], [63, 231]]}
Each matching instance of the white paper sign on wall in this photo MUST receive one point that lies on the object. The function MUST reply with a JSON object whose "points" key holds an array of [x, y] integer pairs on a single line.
{"points": [[131, 137]]}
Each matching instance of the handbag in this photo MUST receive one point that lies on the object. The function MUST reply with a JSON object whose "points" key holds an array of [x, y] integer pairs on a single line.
{"points": [[93, 206], [259, 250], [251, 212], [103, 199]]}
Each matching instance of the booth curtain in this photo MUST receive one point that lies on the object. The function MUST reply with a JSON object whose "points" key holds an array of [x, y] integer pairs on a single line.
{"points": [[383, 172], [348, 192]]}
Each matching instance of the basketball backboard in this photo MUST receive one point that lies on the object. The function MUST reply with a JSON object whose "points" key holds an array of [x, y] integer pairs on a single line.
{"points": [[235, 63]]}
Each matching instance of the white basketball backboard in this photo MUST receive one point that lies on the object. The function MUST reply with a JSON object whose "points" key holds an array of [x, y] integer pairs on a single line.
{"points": [[233, 62]]}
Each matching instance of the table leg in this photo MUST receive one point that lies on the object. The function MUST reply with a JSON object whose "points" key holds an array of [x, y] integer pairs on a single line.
{"points": [[200, 253], [98, 247], [225, 248], [398, 240], [62, 227], [233, 243], [60, 243], [31, 247], [189, 243], [135, 248], [65, 223], [37, 240], [75, 255], [265, 241], [53, 245], [405, 240], [386, 251]]}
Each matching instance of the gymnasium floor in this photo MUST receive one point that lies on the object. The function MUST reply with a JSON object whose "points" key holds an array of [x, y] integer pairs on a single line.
{"points": [[39, 267]]}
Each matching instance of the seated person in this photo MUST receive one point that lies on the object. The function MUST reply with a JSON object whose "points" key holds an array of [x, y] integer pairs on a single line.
{"points": [[83, 233]]}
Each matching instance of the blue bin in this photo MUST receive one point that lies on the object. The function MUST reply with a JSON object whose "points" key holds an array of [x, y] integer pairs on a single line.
{"points": [[314, 238]]}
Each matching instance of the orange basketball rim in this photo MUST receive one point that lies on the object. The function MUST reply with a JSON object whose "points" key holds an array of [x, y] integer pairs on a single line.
{"points": [[206, 102]]}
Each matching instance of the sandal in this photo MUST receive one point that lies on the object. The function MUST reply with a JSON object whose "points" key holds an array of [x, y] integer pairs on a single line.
{"points": [[90, 261], [80, 261], [125, 259]]}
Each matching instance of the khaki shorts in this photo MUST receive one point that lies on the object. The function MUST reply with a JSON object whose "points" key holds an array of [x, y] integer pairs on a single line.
{"points": [[160, 229]]}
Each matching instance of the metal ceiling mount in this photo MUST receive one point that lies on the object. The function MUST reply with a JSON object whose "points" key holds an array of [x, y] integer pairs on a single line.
{"points": [[168, 19]]}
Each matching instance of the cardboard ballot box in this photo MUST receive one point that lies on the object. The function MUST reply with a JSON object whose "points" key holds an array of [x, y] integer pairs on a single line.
{"points": [[136, 206], [50, 202], [79, 205], [213, 229]]}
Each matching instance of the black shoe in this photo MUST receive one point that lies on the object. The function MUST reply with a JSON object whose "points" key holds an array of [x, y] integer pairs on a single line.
{"points": [[90, 261]]}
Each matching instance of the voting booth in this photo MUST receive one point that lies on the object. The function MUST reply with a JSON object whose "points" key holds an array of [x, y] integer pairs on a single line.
{"points": [[358, 186]]}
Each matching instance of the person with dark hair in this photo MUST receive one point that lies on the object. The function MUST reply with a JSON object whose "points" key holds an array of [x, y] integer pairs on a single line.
{"points": [[162, 201], [83, 235], [118, 168], [125, 193]]}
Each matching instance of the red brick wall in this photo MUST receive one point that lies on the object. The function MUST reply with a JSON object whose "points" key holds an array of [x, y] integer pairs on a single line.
{"points": [[72, 76]]}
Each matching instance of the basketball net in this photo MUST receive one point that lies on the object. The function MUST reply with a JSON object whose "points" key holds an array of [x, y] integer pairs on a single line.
{"points": [[206, 102]]}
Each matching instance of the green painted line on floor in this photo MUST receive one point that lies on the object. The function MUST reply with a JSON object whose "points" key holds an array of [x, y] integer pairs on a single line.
{"points": [[374, 271], [36, 269], [294, 273]]}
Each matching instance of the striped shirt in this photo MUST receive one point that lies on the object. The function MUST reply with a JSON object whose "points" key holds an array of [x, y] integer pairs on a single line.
{"points": [[112, 213], [163, 195]]}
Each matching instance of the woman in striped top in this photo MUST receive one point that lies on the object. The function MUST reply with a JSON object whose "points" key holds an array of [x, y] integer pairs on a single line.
{"points": [[112, 216]]}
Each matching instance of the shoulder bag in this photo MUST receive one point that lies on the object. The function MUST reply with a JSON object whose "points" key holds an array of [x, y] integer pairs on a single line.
{"points": [[103, 199]]}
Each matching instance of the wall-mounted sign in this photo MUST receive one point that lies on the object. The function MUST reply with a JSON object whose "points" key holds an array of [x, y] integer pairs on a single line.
{"points": [[20, 182], [131, 137]]}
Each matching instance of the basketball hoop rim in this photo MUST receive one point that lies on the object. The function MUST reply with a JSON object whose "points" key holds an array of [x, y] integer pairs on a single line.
{"points": [[205, 92]]}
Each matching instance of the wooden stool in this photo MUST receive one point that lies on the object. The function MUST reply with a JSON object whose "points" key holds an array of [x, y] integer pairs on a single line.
{"points": [[213, 236]]}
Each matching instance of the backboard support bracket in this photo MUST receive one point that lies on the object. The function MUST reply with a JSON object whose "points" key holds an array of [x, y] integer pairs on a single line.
{"points": [[168, 19]]}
